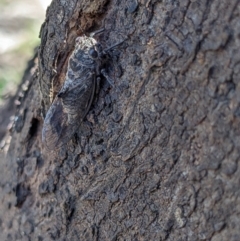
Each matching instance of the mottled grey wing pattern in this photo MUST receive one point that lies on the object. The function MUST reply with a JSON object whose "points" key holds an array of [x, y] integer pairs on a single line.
{"points": [[74, 99], [66, 114]]}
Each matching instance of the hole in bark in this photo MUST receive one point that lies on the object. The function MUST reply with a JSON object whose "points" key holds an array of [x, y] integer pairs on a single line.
{"points": [[21, 194], [34, 127]]}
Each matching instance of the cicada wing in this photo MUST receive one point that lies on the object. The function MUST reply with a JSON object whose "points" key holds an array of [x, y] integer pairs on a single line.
{"points": [[66, 114], [55, 122]]}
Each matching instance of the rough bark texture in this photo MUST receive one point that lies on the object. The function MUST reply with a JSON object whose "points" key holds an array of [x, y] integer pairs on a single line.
{"points": [[157, 156]]}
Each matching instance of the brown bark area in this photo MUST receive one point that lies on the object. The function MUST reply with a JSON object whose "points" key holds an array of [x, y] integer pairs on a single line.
{"points": [[157, 160]]}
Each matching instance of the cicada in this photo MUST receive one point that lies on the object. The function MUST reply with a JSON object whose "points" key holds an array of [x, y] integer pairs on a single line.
{"points": [[72, 103]]}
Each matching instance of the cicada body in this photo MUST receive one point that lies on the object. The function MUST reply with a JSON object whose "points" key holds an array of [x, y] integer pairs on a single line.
{"points": [[74, 100]]}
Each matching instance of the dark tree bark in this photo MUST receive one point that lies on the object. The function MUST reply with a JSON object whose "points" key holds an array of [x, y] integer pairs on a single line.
{"points": [[157, 156]]}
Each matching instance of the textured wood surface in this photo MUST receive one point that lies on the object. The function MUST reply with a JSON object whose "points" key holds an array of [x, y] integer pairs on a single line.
{"points": [[157, 156]]}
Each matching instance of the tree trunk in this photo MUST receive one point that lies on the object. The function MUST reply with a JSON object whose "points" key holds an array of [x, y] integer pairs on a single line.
{"points": [[156, 157]]}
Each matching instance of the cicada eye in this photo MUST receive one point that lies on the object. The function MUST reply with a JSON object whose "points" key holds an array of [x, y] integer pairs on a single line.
{"points": [[93, 53], [78, 40]]}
